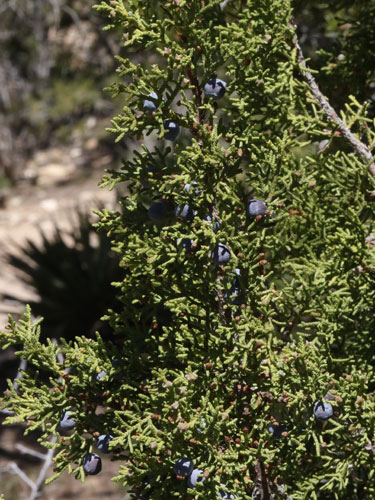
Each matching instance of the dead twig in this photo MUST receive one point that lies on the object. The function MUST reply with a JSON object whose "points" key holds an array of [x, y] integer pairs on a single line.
{"points": [[7, 412], [28, 451], [37, 485], [262, 481], [13, 468], [48, 457]]}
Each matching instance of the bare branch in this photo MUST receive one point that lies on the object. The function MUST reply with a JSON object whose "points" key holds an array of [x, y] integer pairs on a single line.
{"points": [[197, 95], [28, 451], [262, 481], [224, 4], [48, 457], [75, 18], [14, 469], [57, 11], [38, 484], [330, 113]]}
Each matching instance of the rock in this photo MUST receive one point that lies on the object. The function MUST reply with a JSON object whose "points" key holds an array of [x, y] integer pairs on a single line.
{"points": [[55, 173]]}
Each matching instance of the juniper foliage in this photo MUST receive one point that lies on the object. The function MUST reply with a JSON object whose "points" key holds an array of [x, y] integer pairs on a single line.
{"points": [[212, 358]]}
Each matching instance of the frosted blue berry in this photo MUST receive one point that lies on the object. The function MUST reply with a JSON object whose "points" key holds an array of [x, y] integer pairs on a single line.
{"points": [[322, 410], [220, 254], [149, 105], [225, 493], [103, 443], [186, 243], [66, 420], [277, 430], [100, 375], [184, 211], [195, 477], [171, 130], [92, 464], [236, 297], [215, 88], [202, 426], [256, 208], [183, 467], [158, 211], [144, 180], [188, 187], [146, 486], [216, 223]]}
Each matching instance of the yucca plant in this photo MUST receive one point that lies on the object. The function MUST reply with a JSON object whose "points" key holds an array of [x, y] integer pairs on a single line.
{"points": [[71, 272]]}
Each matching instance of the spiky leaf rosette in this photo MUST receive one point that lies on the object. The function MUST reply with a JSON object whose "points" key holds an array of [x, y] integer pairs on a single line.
{"points": [[205, 370], [71, 272]]}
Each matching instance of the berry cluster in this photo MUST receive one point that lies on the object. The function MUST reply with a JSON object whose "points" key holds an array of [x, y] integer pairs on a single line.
{"points": [[91, 462], [221, 254], [214, 88], [184, 468], [159, 210]]}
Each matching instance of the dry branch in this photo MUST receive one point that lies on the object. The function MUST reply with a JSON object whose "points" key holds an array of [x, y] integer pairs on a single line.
{"points": [[28, 451], [330, 113], [37, 485], [48, 457]]}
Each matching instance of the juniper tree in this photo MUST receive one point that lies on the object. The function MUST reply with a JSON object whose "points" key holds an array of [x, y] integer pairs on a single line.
{"points": [[245, 353]]}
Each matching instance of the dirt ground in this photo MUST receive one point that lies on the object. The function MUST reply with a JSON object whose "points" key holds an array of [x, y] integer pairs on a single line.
{"points": [[56, 182]]}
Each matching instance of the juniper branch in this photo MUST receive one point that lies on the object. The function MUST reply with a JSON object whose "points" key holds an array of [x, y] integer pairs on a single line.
{"points": [[330, 113]]}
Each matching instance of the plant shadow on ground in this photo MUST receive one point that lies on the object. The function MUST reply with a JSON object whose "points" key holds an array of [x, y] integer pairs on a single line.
{"points": [[72, 274]]}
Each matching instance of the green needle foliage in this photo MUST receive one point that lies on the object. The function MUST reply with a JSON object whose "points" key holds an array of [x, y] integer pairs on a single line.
{"points": [[223, 364]]}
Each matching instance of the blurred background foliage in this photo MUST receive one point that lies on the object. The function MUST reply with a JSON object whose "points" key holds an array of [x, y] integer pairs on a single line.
{"points": [[55, 60]]}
